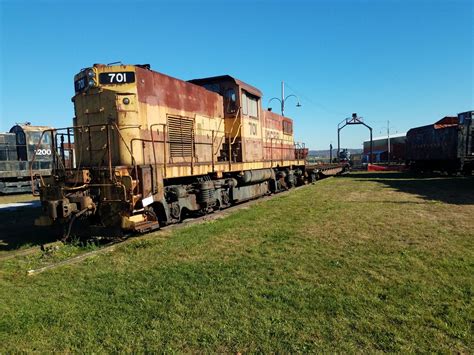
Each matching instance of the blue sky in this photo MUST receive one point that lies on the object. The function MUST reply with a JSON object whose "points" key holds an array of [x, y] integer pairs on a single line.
{"points": [[407, 62]]}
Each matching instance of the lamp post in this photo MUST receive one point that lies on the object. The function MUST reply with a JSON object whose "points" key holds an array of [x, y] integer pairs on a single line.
{"points": [[388, 141], [284, 98], [389, 146]]}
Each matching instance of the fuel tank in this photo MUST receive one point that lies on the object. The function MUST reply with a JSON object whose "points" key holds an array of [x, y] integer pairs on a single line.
{"points": [[255, 176]]}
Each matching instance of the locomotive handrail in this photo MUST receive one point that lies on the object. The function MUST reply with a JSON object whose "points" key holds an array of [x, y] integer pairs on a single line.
{"points": [[219, 130], [131, 155], [126, 126], [235, 120], [232, 128], [219, 145], [231, 143], [53, 151], [280, 148], [164, 141], [33, 160], [271, 150], [193, 146], [109, 152], [214, 140], [153, 140], [236, 133]]}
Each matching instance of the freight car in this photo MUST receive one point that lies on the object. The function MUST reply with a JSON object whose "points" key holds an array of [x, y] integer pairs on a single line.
{"points": [[445, 146], [18, 148], [151, 149]]}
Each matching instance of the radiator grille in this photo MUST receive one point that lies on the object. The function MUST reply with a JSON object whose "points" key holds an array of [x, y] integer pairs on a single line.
{"points": [[181, 136]]}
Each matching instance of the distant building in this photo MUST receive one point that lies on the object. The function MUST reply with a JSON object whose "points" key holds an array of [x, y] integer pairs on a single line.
{"points": [[380, 149]]}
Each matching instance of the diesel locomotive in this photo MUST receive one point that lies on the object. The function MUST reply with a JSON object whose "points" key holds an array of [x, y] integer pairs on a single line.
{"points": [[21, 154], [151, 149], [447, 145]]}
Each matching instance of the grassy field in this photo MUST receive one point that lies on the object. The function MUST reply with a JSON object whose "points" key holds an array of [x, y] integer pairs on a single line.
{"points": [[365, 262]]}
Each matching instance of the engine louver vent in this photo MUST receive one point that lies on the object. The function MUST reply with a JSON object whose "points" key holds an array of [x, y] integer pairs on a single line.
{"points": [[181, 136]]}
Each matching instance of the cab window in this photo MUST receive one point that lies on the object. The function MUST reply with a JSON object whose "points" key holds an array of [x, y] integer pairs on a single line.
{"points": [[230, 100], [21, 139], [34, 138], [249, 105], [287, 127]]}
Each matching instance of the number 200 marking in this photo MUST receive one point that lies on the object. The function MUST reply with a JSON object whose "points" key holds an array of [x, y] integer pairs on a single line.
{"points": [[43, 151], [119, 77]]}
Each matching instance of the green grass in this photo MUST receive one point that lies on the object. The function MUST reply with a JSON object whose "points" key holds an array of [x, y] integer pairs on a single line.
{"points": [[368, 262]]}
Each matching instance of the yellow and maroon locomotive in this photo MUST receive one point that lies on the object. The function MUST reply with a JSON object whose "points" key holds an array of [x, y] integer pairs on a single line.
{"points": [[150, 149]]}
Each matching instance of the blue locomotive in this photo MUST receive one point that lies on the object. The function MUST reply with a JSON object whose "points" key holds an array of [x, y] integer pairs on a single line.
{"points": [[22, 154]]}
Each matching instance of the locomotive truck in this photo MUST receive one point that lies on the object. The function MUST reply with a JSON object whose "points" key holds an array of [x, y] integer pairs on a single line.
{"points": [[151, 149]]}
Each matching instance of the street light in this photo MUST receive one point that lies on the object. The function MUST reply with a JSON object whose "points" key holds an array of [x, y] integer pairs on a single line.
{"points": [[283, 99], [389, 147]]}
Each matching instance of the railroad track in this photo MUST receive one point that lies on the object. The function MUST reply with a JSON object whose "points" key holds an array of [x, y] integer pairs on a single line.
{"points": [[109, 247], [30, 251]]}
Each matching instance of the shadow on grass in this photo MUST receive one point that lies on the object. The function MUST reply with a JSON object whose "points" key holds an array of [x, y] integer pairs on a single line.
{"points": [[457, 190], [17, 229]]}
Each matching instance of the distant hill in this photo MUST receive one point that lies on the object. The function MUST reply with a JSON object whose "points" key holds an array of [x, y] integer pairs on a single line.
{"points": [[325, 153]]}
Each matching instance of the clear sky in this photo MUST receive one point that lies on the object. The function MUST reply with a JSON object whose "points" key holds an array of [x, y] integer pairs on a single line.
{"points": [[407, 62]]}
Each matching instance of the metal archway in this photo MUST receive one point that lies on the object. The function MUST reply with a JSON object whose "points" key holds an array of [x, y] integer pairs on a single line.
{"points": [[354, 120]]}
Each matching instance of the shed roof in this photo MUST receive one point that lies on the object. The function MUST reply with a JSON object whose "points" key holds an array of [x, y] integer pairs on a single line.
{"points": [[396, 135]]}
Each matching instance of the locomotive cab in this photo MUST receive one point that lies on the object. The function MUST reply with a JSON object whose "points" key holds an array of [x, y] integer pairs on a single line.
{"points": [[34, 146], [243, 117]]}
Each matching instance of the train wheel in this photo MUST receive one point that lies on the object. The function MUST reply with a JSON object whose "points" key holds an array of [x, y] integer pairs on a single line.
{"points": [[175, 211], [225, 199], [151, 215]]}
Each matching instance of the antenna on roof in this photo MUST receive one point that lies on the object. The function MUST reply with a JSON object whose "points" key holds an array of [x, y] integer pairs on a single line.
{"points": [[113, 63]]}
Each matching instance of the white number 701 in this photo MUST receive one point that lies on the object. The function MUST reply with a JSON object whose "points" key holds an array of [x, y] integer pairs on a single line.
{"points": [[119, 77]]}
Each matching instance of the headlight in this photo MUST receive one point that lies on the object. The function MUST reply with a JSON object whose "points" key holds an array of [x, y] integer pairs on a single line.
{"points": [[90, 74], [91, 82]]}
